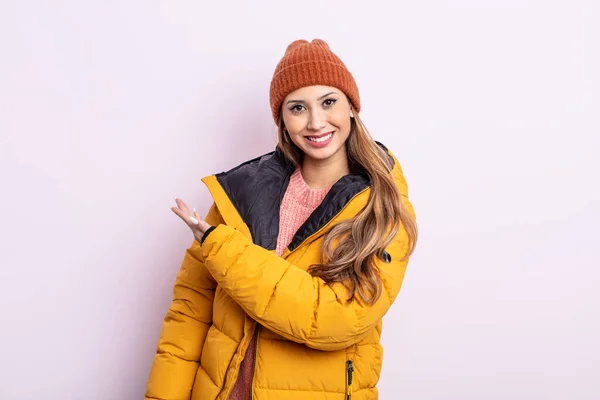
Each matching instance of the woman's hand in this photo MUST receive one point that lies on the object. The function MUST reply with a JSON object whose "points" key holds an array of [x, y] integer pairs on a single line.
{"points": [[192, 219]]}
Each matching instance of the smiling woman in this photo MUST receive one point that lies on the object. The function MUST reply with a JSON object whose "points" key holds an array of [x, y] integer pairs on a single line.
{"points": [[319, 125], [282, 293]]}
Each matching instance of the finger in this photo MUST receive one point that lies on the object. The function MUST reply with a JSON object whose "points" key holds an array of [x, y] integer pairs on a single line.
{"points": [[188, 219], [199, 218], [182, 206], [182, 214], [179, 213]]}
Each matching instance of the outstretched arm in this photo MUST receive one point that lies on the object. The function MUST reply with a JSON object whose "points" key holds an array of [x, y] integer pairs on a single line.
{"points": [[185, 327]]}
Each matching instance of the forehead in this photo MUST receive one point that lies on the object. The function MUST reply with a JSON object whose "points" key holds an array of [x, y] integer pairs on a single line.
{"points": [[311, 92]]}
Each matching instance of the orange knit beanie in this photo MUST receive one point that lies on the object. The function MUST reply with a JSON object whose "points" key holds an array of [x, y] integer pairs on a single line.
{"points": [[307, 64]]}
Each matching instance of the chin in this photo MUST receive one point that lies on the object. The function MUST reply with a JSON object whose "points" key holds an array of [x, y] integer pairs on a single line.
{"points": [[324, 153]]}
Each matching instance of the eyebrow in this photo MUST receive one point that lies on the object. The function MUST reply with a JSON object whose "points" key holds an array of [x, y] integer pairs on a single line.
{"points": [[302, 101]]}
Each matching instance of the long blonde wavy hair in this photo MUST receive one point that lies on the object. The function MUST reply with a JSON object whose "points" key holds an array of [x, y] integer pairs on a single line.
{"points": [[351, 246]]}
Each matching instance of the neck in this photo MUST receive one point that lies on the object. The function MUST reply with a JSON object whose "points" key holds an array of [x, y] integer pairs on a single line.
{"points": [[320, 174]]}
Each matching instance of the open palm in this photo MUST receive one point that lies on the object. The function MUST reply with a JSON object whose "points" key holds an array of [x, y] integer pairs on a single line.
{"points": [[191, 218]]}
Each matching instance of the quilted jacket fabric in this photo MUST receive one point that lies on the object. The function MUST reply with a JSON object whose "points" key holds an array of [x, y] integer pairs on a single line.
{"points": [[312, 343]]}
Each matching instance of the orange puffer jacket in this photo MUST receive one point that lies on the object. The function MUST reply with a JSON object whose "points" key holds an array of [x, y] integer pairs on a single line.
{"points": [[312, 343]]}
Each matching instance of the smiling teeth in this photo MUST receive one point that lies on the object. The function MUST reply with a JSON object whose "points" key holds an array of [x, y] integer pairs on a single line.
{"points": [[322, 139]]}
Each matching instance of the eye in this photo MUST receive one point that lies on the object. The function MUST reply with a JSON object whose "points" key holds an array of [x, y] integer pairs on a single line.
{"points": [[297, 108], [329, 102]]}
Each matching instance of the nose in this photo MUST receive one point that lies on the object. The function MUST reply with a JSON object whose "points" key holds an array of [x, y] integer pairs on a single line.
{"points": [[316, 120]]}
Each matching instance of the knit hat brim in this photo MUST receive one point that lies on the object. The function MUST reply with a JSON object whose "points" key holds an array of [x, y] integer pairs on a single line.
{"points": [[309, 64]]}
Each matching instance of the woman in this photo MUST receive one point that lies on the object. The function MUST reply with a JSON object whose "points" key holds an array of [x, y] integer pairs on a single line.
{"points": [[282, 293]]}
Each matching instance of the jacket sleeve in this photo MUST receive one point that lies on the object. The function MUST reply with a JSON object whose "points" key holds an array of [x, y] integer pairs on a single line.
{"points": [[185, 327], [289, 301]]}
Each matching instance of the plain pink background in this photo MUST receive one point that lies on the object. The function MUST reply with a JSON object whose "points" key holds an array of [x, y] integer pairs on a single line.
{"points": [[109, 110]]}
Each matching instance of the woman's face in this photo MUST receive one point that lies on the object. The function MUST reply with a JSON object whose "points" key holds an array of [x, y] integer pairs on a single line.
{"points": [[318, 121]]}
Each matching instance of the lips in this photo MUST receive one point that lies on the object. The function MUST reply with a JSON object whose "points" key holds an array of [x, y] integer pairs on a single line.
{"points": [[320, 141], [320, 136]]}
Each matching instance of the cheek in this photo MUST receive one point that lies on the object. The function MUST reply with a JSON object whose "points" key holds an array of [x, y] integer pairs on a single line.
{"points": [[293, 124], [343, 123], [295, 133], [295, 130]]}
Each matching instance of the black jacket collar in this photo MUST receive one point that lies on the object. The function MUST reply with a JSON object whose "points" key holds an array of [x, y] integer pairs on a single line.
{"points": [[256, 188]]}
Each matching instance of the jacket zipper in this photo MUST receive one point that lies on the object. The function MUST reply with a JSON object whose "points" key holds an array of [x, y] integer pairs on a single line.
{"points": [[255, 362], [349, 365], [349, 372]]}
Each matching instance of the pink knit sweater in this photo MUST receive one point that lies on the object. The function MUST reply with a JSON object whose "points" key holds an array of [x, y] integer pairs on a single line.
{"points": [[299, 201]]}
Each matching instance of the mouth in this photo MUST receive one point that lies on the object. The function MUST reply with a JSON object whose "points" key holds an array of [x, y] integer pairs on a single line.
{"points": [[320, 139]]}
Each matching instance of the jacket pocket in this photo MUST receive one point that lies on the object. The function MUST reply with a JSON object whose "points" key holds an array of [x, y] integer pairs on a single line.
{"points": [[349, 373]]}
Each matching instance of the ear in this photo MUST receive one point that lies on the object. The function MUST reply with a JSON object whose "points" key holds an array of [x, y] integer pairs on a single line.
{"points": [[351, 113]]}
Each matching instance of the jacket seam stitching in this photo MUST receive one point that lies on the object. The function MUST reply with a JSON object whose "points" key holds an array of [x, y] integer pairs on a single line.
{"points": [[209, 377], [177, 312], [273, 291]]}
